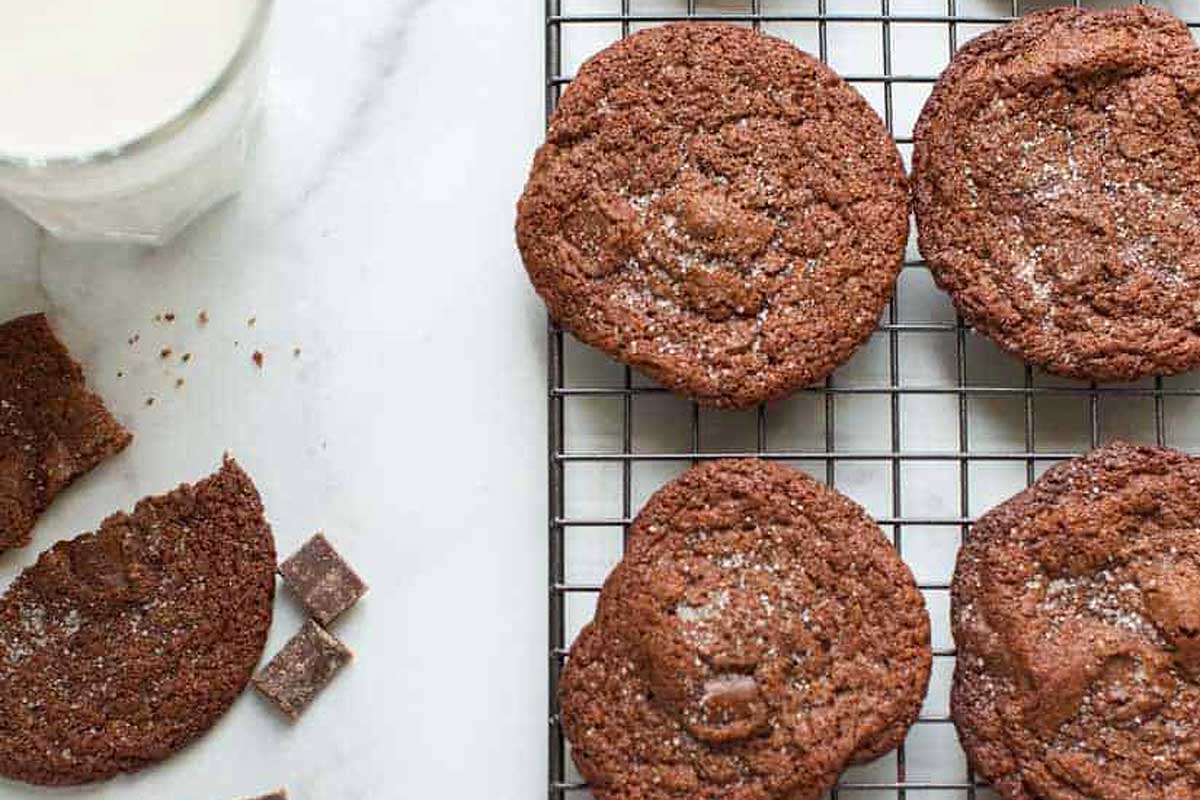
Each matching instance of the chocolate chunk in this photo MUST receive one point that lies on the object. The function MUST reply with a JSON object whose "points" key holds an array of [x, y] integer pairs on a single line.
{"points": [[305, 665], [322, 580], [52, 429]]}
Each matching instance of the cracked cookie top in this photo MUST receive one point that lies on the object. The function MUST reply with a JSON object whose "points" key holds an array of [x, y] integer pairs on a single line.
{"points": [[717, 209], [760, 635], [1057, 190], [1076, 613]]}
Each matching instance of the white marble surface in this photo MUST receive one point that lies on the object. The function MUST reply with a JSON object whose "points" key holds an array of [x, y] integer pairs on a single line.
{"points": [[374, 234]]}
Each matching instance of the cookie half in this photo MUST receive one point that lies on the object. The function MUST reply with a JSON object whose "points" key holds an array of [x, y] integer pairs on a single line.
{"points": [[760, 635], [121, 646], [52, 429], [1057, 189], [717, 209], [1076, 613]]}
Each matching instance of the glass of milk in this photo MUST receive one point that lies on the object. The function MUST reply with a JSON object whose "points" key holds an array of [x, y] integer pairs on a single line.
{"points": [[124, 120]]}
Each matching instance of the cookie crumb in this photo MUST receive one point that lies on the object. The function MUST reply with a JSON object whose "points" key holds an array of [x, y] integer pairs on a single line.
{"points": [[295, 352], [165, 353], [169, 316], [258, 358], [202, 317], [149, 401], [186, 357], [120, 374], [178, 382], [252, 322], [158, 317], [137, 337]]}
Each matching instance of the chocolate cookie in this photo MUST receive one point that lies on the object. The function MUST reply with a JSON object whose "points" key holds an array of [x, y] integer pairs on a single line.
{"points": [[52, 429], [759, 636], [1057, 188], [717, 209], [1076, 612], [121, 646]]}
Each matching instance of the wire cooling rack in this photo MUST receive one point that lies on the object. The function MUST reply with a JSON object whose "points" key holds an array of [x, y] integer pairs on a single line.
{"points": [[927, 426]]}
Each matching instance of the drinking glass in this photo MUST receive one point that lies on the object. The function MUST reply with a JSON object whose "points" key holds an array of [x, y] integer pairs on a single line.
{"points": [[152, 187]]}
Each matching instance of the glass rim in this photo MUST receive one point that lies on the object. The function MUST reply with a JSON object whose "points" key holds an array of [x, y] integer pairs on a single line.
{"points": [[165, 130]]}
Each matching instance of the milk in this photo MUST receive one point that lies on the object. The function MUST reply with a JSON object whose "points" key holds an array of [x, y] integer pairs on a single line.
{"points": [[81, 76], [124, 120]]}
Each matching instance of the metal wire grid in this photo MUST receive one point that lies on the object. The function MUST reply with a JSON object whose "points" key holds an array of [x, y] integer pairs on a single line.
{"points": [[892, 328]]}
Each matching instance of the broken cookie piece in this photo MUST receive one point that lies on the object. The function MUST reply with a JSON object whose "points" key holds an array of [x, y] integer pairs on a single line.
{"points": [[120, 647], [52, 429], [305, 666], [322, 580]]}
